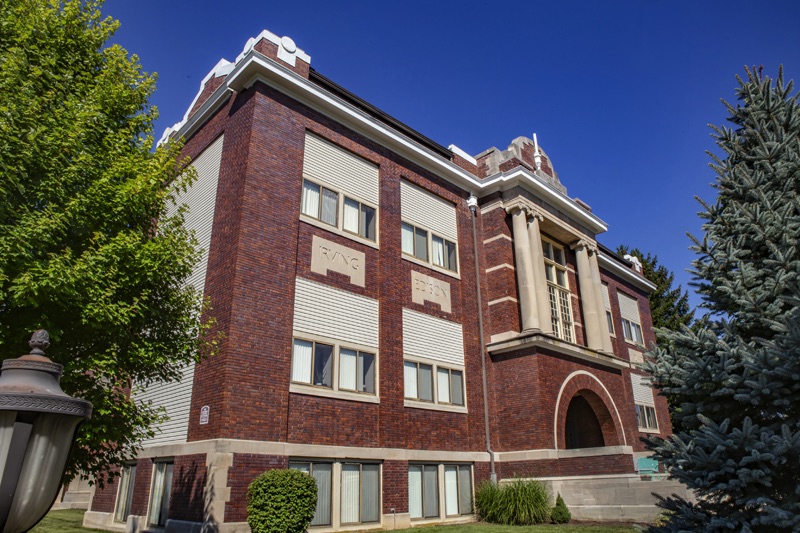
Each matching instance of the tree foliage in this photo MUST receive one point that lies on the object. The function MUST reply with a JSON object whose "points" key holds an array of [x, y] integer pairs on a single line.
{"points": [[737, 377], [669, 306], [87, 248]]}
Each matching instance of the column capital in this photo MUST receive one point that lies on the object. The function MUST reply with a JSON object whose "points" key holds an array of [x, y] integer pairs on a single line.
{"points": [[581, 244], [517, 205], [536, 214]]}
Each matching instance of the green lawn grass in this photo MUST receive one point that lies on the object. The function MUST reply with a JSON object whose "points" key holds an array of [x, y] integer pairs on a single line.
{"points": [[70, 522]]}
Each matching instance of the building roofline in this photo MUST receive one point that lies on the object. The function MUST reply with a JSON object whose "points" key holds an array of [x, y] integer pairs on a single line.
{"points": [[330, 100]]}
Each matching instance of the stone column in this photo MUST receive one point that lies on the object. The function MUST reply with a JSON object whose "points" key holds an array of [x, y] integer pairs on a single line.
{"points": [[539, 276], [591, 325], [601, 308], [524, 267]]}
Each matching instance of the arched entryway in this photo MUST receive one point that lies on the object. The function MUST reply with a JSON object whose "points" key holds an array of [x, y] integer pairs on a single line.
{"points": [[585, 414], [582, 428]]}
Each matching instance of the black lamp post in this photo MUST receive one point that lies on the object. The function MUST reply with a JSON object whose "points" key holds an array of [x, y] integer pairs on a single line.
{"points": [[37, 426]]}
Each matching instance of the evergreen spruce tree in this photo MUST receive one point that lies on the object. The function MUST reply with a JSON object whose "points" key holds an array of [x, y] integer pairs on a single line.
{"points": [[736, 378], [87, 249], [669, 306]]}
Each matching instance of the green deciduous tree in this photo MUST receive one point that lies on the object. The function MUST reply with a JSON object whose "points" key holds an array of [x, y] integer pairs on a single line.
{"points": [[87, 248], [737, 377], [669, 306]]}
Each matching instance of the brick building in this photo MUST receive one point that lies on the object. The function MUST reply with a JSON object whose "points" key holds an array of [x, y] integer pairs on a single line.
{"points": [[402, 320]]}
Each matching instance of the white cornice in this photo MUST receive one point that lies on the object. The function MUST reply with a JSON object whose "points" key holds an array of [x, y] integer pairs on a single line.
{"points": [[253, 66], [625, 273]]}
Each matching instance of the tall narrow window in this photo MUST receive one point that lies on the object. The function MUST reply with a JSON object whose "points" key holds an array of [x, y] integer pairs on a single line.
{"points": [[322, 474], [555, 266], [418, 381], [359, 219], [360, 493], [423, 491], [312, 362], [125, 492], [607, 304], [160, 493]]}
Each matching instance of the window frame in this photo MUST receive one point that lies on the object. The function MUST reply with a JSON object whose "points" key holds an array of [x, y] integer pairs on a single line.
{"points": [[311, 463], [126, 485], [648, 414], [428, 260], [629, 328], [165, 496], [339, 226], [609, 315], [335, 390], [441, 491], [336, 491], [436, 402], [562, 320]]}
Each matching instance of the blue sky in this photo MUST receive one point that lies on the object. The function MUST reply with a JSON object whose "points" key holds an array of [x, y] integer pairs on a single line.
{"points": [[619, 93]]}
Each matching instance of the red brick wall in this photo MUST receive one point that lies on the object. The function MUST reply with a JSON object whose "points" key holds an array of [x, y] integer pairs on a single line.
{"points": [[576, 466], [245, 468], [395, 486], [188, 488], [104, 499], [141, 487]]}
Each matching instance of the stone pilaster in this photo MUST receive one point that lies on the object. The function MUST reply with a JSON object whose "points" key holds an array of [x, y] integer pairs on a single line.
{"points": [[524, 268], [591, 326], [539, 276], [601, 308]]}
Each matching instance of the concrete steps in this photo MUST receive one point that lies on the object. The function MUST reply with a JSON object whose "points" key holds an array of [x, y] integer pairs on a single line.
{"points": [[623, 498]]}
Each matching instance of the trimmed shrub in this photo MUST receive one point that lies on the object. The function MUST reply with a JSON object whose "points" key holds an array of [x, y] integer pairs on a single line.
{"points": [[560, 513], [281, 501], [518, 503]]}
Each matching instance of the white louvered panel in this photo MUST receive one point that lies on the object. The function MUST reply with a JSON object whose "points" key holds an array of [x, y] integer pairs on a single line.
{"points": [[642, 392], [421, 207], [323, 310], [328, 164], [200, 198], [176, 399], [606, 299], [432, 338], [629, 308]]}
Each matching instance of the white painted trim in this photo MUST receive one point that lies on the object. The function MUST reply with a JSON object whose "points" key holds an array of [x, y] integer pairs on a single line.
{"points": [[501, 300], [498, 237], [499, 267], [625, 273], [558, 402], [458, 151]]}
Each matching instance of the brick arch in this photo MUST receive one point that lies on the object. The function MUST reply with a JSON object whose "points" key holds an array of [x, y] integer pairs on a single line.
{"points": [[582, 383]]}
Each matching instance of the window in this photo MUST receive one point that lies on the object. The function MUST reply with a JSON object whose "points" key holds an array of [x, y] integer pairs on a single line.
{"points": [[423, 490], [313, 364], [323, 475], [160, 492], [631, 323], [607, 304], [419, 384], [322, 204], [555, 267], [646, 416], [415, 243], [127, 479], [359, 495]]}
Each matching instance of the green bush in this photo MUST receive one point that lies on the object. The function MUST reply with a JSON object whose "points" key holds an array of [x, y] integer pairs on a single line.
{"points": [[281, 501], [560, 513], [518, 503]]}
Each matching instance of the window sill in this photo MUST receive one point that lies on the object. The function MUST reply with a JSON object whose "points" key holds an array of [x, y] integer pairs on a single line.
{"points": [[434, 406], [649, 430], [637, 345], [420, 262], [333, 229], [309, 390]]}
